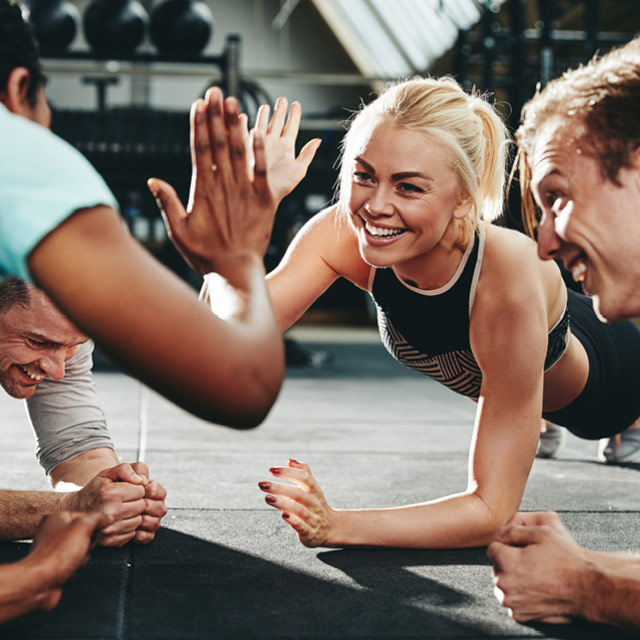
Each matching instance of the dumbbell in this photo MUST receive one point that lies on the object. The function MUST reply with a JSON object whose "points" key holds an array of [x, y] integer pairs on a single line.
{"points": [[115, 25], [181, 26], [54, 22]]}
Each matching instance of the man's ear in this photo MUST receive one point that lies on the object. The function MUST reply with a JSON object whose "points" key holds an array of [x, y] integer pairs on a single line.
{"points": [[15, 96]]}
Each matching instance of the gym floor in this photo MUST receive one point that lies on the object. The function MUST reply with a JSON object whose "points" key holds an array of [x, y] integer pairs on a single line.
{"points": [[225, 565]]}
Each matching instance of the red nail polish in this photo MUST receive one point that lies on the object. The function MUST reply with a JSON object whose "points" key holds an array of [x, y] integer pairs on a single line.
{"points": [[285, 516], [274, 470], [293, 460], [265, 486], [270, 499]]}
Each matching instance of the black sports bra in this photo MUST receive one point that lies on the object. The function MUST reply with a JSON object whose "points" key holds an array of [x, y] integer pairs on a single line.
{"points": [[428, 330]]}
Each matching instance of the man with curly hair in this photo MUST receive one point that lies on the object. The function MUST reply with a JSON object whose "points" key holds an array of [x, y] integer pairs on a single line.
{"points": [[579, 147]]}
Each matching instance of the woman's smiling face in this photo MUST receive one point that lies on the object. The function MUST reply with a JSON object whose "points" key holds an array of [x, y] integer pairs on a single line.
{"points": [[405, 195]]}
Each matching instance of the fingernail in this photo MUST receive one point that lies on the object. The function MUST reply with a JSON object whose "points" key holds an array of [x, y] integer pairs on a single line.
{"points": [[135, 476], [274, 471], [231, 106], [270, 499], [265, 486], [285, 516], [293, 460]]}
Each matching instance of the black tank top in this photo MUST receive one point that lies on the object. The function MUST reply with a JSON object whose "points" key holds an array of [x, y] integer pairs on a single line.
{"points": [[428, 330]]}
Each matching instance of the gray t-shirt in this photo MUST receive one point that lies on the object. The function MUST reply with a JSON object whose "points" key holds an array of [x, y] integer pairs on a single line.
{"points": [[66, 415]]}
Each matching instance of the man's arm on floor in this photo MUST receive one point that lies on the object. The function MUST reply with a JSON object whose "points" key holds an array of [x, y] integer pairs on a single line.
{"points": [[72, 440], [74, 446], [541, 573], [119, 493]]}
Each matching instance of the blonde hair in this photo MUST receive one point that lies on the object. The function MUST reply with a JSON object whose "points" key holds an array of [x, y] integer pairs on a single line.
{"points": [[466, 124], [604, 97]]}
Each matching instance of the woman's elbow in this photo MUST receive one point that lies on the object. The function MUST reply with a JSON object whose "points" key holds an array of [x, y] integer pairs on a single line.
{"points": [[253, 394], [495, 517]]}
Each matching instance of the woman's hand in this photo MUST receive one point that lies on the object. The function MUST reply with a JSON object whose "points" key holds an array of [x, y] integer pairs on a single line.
{"points": [[231, 210], [303, 504], [284, 170]]}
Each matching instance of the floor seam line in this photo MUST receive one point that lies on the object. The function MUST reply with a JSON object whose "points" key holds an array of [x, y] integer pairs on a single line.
{"points": [[123, 600]]}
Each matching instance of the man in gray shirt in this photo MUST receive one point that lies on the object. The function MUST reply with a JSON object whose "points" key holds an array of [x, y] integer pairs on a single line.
{"points": [[47, 361]]}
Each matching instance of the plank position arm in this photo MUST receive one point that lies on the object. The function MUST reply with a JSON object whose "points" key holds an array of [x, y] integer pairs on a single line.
{"points": [[509, 341]]}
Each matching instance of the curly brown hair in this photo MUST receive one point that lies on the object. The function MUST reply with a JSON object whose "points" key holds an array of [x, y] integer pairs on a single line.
{"points": [[604, 97]]}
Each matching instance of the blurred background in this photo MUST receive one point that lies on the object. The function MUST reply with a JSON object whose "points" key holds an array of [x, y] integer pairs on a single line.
{"points": [[122, 75]]}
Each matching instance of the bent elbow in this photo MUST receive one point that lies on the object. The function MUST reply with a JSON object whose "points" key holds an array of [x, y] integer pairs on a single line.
{"points": [[257, 392], [494, 518]]}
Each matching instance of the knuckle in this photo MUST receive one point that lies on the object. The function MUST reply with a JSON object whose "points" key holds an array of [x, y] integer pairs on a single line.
{"points": [[237, 151], [202, 146], [219, 144], [144, 537]]}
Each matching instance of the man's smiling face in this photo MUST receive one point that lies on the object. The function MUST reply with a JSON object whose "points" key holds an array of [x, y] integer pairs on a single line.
{"points": [[588, 222], [35, 343]]}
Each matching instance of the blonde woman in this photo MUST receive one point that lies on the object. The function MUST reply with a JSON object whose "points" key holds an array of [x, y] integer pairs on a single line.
{"points": [[462, 301]]}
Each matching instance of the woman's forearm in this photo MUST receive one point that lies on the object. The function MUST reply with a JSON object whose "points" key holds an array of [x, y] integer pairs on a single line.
{"points": [[457, 521], [153, 324]]}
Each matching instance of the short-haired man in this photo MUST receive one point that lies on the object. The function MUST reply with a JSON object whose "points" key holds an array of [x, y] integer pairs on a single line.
{"points": [[46, 360]]}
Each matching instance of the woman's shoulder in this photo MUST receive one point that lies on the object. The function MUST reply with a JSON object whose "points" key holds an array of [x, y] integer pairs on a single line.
{"points": [[512, 269], [511, 266], [508, 246], [329, 234]]}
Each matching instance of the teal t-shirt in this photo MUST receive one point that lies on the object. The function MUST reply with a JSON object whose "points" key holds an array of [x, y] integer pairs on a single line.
{"points": [[43, 180]]}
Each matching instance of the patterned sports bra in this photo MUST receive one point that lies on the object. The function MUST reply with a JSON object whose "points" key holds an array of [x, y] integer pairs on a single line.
{"points": [[428, 330]]}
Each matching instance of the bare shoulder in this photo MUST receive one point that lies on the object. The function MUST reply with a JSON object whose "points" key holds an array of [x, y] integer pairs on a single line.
{"points": [[511, 260], [330, 235], [514, 281], [507, 247]]}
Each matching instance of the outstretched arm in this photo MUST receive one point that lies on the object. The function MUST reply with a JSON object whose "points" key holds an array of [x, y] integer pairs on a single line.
{"points": [[148, 319], [502, 451], [284, 172], [541, 573]]}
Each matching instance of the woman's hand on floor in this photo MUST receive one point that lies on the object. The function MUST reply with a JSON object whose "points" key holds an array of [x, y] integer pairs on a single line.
{"points": [[302, 503]]}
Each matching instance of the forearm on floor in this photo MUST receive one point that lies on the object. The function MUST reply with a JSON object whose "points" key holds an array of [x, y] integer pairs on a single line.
{"points": [[457, 521], [82, 468], [21, 511]]}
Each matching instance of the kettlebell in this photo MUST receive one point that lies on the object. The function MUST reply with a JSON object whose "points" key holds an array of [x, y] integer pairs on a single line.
{"points": [[115, 25], [54, 22], [181, 26]]}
